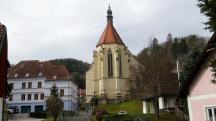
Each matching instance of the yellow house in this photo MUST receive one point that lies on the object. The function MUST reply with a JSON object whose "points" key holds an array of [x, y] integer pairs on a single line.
{"points": [[109, 75]]}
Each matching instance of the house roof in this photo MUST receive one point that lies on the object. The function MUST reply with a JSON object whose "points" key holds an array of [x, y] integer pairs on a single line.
{"points": [[204, 55], [110, 35], [36, 69]]}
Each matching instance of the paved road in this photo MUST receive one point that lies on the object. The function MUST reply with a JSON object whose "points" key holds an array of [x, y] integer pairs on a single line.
{"points": [[22, 117], [82, 117], [26, 119]]}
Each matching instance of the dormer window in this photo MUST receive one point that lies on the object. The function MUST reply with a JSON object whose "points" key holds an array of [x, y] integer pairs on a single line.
{"points": [[15, 75], [27, 75], [40, 74], [54, 77]]}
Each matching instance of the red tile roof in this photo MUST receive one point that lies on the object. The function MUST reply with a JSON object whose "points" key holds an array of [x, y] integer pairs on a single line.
{"points": [[110, 34], [36, 69]]}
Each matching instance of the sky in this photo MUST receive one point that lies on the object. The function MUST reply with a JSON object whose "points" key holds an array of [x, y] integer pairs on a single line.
{"points": [[50, 29]]}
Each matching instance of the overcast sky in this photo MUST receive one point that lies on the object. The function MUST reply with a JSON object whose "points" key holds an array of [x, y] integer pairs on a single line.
{"points": [[50, 29]]}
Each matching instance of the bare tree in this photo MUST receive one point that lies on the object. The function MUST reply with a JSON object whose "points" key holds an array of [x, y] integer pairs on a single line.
{"points": [[156, 68]]}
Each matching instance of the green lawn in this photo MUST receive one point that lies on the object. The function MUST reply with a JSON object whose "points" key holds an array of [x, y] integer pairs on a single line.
{"points": [[132, 107]]}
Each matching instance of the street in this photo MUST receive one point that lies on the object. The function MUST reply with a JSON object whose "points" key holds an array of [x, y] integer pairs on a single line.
{"points": [[22, 117]]}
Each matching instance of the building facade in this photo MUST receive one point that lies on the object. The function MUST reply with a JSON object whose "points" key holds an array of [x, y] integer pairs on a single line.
{"points": [[31, 82], [108, 77], [199, 90], [166, 104]]}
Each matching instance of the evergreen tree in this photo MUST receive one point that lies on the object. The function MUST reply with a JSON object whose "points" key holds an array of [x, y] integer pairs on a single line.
{"points": [[175, 48], [169, 37], [54, 103], [54, 91], [183, 48], [189, 64], [208, 8]]}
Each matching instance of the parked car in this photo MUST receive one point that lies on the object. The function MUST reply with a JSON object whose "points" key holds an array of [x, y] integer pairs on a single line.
{"points": [[122, 112], [10, 111], [13, 109]]}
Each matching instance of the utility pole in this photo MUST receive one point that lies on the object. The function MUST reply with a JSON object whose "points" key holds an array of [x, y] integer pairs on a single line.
{"points": [[178, 71]]}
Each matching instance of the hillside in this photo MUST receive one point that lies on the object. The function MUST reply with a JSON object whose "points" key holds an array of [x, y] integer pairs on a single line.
{"points": [[76, 68]]}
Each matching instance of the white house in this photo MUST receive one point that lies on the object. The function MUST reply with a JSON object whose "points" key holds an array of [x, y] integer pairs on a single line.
{"points": [[31, 82]]}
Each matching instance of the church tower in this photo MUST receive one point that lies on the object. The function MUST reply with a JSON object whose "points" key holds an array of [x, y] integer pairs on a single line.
{"points": [[108, 77]]}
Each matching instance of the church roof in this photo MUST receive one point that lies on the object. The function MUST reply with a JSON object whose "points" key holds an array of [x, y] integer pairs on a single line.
{"points": [[110, 34]]}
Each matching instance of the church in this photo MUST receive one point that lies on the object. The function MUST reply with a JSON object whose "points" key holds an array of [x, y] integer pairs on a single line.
{"points": [[108, 78]]}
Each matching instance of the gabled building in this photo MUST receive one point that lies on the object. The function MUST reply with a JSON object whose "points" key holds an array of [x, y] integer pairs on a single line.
{"points": [[108, 76], [4, 64], [31, 82], [199, 90]]}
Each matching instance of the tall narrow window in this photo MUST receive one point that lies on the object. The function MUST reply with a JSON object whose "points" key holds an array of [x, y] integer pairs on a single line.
{"points": [[29, 97], [23, 97], [23, 85], [120, 64], [29, 85], [42, 96], [39, 84], [110, 64], [36, 96], [12, 85]]}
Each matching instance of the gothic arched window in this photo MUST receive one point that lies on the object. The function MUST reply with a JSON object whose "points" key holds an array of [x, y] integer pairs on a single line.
{"points": [[120, 64], [110, 64]]}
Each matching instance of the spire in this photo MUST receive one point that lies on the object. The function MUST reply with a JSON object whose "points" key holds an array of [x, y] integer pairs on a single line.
{"points": [[109, 15], [110, 35]]}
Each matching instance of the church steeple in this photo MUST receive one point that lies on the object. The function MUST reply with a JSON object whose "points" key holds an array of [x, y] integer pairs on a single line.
{"points": [[109, 15], [110, 35]]}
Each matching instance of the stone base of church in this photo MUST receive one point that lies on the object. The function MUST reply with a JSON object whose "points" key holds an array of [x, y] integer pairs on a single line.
{"points": [[127, 97], [119, 98], [103, 99]]}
